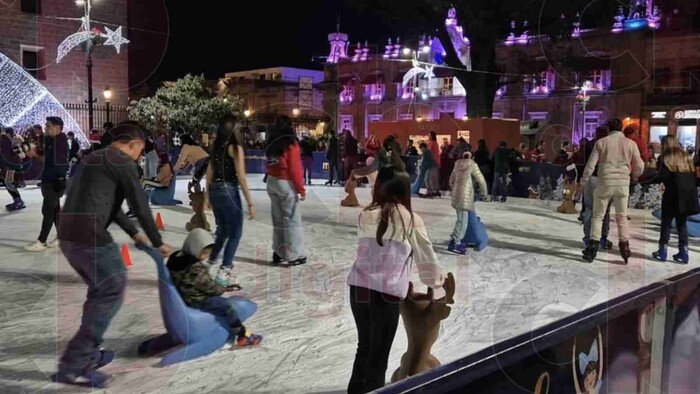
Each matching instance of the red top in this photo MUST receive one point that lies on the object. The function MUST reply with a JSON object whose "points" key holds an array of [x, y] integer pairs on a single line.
{"points": [[372, 146], [434, 148], [289, 168]]}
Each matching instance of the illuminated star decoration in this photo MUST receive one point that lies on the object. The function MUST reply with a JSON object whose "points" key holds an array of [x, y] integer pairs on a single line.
{"points": [[417, 70], [115, 38]]}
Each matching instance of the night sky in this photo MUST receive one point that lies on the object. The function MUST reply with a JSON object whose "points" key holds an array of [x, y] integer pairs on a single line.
{"points": [[301, 29]]}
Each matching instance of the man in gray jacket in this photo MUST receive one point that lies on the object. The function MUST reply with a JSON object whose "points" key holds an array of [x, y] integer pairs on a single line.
{"points": [[618, 159]]}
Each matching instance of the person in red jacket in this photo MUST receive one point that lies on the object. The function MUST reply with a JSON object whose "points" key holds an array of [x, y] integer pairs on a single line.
{"points": [[372, 145], [632, 132], [285, 186]]}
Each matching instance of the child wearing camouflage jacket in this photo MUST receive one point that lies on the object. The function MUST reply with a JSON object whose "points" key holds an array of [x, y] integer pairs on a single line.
{"points": [[190, 274]]}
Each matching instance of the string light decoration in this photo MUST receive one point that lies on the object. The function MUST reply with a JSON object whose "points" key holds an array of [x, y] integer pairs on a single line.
{"points": [[24, 101], [112, 38]]}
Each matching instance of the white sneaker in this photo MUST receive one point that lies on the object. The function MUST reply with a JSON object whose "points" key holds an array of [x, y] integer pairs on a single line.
{"points": [[52, 244], [223, 276], [36, 247]]}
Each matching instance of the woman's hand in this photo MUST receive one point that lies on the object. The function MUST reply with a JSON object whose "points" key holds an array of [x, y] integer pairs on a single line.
{"points": [[251, 212]]}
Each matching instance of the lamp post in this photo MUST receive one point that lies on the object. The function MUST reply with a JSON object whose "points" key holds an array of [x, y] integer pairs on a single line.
{"points": [[583, 98], [88, 62], [108, 99], [295, 114]]}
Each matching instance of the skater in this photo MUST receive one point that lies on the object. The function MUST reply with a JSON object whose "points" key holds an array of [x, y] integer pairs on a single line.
{"points": [[166, 174], [191, 154], [307, 158], [501, 159], [680, 198], [482, 157], [94, 201], [332, 157], [190, 274], [465, 173], [54, 156], [11, 163], [617, 159], [587, 203], [434, 148], [429, 169], [411, 149], [225, 173], [285, 186], [349, 153], [387, 228]]}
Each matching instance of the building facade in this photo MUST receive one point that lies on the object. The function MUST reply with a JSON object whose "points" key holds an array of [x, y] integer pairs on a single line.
{"points": [[289, 91], [30, 34], [643, 68]]}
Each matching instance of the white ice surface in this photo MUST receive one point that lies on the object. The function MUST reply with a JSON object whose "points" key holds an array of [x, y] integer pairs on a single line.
{"points": [[530, 275]]}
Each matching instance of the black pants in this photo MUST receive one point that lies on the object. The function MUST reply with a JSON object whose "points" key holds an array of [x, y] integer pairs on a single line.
{"points": [[681, 226], [376, 317], [51, 191], [333, 170], [104, 273]]}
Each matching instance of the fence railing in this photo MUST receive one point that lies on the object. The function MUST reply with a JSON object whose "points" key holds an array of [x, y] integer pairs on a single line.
{"points": [[80, 112]]}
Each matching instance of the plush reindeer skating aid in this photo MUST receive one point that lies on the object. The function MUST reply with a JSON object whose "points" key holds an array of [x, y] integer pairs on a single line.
{"points": [[568, 206], [421, 315], [351, 199], [199, 219]]}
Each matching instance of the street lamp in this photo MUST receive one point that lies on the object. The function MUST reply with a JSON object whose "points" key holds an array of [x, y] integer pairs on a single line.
{"points": [[583, 98], [108, 99], [247, 113], [295, 112]]}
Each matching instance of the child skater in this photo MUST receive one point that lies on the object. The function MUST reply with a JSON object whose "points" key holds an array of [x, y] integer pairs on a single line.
{"points": [[199, 290], [391, 238], [680, 199], [465, 173]]}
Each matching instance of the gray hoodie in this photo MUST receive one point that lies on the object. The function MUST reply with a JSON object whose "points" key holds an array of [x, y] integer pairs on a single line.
{"points": [[196, 241]]}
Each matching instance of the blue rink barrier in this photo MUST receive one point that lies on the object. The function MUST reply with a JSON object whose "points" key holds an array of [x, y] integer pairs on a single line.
{"points": [[610, 344]]}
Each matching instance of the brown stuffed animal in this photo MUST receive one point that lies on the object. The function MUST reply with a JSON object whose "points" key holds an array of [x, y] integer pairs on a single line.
{"points": [[351, 199], [568, 206], [199, 220], [421, 316]]}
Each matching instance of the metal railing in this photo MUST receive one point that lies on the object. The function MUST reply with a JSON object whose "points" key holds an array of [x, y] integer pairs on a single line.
{"points": [[101, 114]]}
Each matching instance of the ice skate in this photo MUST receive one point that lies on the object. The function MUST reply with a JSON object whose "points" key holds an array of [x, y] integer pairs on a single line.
{"points": [[89, 378], [223, 276], [625, 251], [605, 244], [17, 205], [682, 256], [37, 246], [661, 254], [248, 339], [591, 251], [457, 248]]}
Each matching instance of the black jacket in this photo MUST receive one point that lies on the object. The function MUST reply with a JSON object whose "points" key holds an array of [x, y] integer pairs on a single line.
{"points": [[94, 199], [333, 149], [681, 196]]}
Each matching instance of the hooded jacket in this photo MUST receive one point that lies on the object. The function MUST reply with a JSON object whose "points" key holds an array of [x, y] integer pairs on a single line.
{"points": [[461, 182], [191, 276]]}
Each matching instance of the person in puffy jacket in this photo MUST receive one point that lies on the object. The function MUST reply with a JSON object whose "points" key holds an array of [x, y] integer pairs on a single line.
{"points": [[464, 174]]}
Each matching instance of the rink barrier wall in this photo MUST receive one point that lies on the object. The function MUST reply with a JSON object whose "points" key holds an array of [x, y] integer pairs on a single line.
{"points": [[630, 363]]}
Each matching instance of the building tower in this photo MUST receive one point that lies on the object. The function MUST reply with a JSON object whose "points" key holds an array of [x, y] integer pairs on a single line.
{"points": [[339, 45]]}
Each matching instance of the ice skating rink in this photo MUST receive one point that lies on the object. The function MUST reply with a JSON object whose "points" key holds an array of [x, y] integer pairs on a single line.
{"points": [[530, 275]]}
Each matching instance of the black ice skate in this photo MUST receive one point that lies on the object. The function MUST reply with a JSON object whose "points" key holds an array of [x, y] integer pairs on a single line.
{"points": [[625, 251], [591, 251]]}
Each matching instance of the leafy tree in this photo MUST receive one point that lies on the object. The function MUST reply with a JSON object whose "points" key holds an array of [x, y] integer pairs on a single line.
{"points": [[186, 104]]}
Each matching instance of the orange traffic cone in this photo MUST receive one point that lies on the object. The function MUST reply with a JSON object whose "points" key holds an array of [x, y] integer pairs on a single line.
{"points": [[126, 256], [159, 222]]}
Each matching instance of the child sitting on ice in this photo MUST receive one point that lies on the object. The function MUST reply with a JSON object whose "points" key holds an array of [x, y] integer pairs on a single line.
{"points": [[461, 183], [190, 274]]}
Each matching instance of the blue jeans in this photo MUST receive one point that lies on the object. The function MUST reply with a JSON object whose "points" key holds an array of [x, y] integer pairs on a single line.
{"points": [[103, 270], [226, 204], [499, 185], [461, 225], [220, 306]]}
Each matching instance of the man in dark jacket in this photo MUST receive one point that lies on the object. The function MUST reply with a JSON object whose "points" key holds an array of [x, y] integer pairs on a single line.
{"points": [[501, 161], [106, 178], [11, 163], [54, 156], [332, 157], [348, 153]]}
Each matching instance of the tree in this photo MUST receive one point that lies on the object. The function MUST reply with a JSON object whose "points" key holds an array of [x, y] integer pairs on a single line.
{"points": [[186, 104], [486, 23]]}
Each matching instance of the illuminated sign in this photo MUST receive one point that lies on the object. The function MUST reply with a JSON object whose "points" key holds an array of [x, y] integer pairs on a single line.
{"points": [[688, 114], [463, 134], [658, 115]]}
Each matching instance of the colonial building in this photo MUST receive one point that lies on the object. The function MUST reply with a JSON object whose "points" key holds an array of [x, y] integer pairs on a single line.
{"points": [[644, 68], [31, 31], [276, 91]]}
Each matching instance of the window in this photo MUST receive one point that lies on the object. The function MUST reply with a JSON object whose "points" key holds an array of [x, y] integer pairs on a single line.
{"points": [[346, 122], [656, 133], [31, 6], [374, 118], [375, 91], [32, 61], [590, 126], [538, 116], [405, 92], [446, 87], [348, 94], [600, 79]]}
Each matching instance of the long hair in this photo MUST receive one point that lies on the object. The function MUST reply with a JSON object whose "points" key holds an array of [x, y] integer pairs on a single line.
{"points": [[675, 158], [281, 138], [226, 134], [391, 189], [392, 146]]}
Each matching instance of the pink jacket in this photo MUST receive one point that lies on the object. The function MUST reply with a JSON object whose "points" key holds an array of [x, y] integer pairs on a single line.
{"points": [[387, 269], [617, 158]]}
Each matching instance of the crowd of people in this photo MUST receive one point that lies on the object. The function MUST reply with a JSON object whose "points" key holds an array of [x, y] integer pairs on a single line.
{"points": [[97, 182]]}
